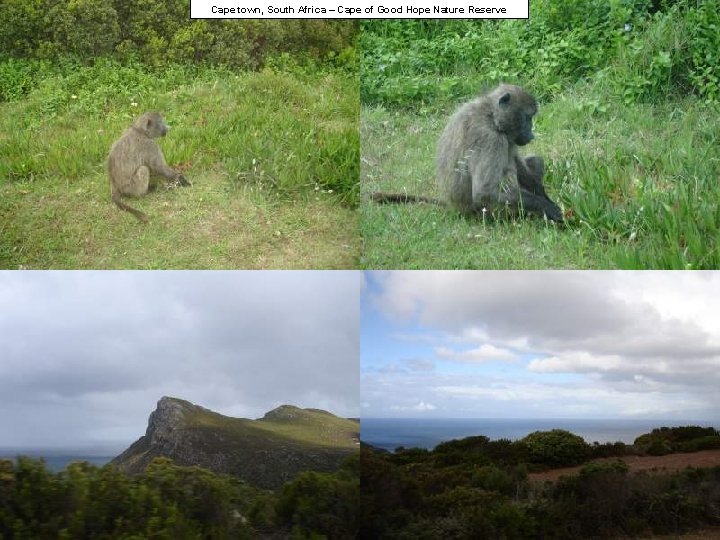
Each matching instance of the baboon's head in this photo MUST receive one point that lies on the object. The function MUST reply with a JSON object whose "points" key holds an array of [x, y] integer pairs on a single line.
{"points": [[513, 112], [151, 124]]}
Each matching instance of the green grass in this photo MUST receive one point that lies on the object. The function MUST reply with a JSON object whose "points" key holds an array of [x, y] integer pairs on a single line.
{"points": [[273, 159], [639, 182], [306, 427], [312, 426]]}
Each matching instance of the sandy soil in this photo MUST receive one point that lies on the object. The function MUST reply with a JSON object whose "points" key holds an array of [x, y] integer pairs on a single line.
{"points": [[672, 462]]}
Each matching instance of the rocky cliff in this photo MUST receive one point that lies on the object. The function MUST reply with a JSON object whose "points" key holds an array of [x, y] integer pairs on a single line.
{"points": [[266, 452]]}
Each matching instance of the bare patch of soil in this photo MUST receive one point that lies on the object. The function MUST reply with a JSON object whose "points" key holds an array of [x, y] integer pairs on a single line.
{"points": [[669, 463]]}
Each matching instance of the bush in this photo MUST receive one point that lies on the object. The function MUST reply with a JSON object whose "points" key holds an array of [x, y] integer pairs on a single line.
{"points": [[615, 449], [665, 440], [557, 448], [160, 33], [639, 50], [320, 503], [709, 442]]}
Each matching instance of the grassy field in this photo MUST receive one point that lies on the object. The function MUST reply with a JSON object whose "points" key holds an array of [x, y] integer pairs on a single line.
{"points": [[273, 158], [638, 183], [628, 126]]}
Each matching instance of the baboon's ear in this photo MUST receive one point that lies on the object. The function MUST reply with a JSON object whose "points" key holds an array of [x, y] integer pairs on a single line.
{"points": [[505, 99], [149, 123]]}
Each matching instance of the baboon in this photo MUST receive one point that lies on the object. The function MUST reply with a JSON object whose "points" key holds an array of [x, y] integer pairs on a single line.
{"points": [[134, 157], [478, 150]]}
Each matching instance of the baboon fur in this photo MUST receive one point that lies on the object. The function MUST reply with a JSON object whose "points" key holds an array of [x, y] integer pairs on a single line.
{"points": [[134, 157], [479, 149], [479, 170]]}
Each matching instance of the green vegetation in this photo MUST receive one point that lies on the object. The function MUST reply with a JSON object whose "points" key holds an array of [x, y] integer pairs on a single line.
{"points": [[478, 488], [311, 426], [161, 33], [264, 117], [169, 502], [557, 448], [666, 440], [322, 503], [292, 424], [629, 99]]}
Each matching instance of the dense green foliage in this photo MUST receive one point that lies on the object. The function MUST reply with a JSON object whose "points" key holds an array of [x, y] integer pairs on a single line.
{"points": [[556, 448], [638, 50], [160, 32], [629, 97], [169, 502], [478, 488], [325, 504], [667, 440]]}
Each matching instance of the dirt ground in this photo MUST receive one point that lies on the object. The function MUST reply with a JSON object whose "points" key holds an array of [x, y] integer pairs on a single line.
{"points": [[672, 462]]}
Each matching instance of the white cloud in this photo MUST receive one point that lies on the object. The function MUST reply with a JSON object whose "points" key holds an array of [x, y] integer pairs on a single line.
{"points": [[484, 353], [578, 362], [640, 342], [421, 406]]}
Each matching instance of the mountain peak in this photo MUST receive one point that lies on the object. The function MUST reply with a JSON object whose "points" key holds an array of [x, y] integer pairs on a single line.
{"points": [[265, 452], [283, 412], [291, 412]]}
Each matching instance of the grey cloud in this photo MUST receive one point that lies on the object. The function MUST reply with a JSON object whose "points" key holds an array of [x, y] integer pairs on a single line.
{"points": [[553, 310], [240, 342]]}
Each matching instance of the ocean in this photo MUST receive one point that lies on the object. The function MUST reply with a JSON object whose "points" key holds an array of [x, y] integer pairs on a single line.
{"points": [[390, 433], [57, 460]]}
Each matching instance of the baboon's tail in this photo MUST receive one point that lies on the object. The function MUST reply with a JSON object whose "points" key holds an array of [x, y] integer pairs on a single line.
{"points": [[116, 197], [402, 198]]}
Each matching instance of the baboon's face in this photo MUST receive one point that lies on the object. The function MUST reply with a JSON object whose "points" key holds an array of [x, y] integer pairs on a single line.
{"points": [[153, 125], [516, 111], [157, 126], [525, 134]]}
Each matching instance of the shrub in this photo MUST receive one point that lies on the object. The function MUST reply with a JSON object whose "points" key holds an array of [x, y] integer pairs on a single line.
{"points": [[664, 440], [556, 448]]}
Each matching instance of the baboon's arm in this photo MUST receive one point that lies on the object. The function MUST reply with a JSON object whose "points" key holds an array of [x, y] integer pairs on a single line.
{"points": [[530, 172], [158, 165], [531, 203]]}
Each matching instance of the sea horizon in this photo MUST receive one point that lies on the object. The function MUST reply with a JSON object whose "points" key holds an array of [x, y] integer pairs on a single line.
{"points": [[57, 459], [391, 433]]}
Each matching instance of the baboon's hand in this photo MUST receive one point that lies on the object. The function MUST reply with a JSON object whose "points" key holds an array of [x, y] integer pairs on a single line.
{"points": [[552, 212], [181, 180]]}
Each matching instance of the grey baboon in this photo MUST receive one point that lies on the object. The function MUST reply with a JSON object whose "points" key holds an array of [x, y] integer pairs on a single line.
{"points": [[477, 151], [134, 157]]}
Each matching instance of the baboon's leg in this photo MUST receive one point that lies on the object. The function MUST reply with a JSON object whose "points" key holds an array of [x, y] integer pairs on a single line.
{"points": [[460, 194], [140, 182], [485, 187]]}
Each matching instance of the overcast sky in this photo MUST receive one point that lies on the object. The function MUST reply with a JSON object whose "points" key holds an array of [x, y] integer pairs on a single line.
{"points": [[541, 345], [84, 356]]}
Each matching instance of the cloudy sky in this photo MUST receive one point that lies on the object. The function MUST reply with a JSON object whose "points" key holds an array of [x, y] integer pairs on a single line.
{"points": [[84, 356], [541, 345]]}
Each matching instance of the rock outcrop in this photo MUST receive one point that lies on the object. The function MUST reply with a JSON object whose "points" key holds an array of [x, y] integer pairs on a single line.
{"points": [[266, 452]]}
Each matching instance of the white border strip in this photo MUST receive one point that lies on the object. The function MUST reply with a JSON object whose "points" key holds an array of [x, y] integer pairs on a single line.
{"points": [[359, 9]]}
